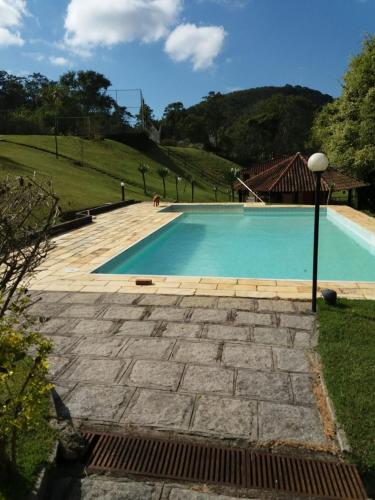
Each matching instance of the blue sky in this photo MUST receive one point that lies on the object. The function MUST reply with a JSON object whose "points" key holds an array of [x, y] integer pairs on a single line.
{"points": [[179, 50]]}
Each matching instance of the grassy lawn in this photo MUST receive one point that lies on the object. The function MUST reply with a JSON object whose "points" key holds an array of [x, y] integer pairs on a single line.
{"points": [[34, 447], [347, 348], [90, 171]]}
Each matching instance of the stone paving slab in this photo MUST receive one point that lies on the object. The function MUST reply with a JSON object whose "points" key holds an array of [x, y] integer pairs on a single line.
{"points": [[93, 327], [98, 402], [138, 328], [247, 356], [264, 386], [95, 370], [281, 422], [153, 348], [183, 330], [155, 374], [159, 409], [226, 332], [226, 417], [196, 352], [98, 487], [199, 379], [224, 368]]}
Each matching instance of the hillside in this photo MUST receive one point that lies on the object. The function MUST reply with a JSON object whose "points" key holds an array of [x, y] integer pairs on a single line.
{"points": [[250, 124], [89, 172]]}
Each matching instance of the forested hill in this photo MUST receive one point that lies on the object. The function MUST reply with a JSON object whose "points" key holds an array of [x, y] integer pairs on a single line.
{"points": [[248, 124], [241, 101]]}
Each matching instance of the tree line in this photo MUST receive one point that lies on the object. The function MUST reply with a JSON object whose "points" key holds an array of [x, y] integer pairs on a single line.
{"points": [[32, 104]]}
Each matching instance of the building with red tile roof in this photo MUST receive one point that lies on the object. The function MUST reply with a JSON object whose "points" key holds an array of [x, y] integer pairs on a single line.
{"points": [[289, 180]]}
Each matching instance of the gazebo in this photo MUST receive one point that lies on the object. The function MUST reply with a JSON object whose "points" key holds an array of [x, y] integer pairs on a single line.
{"points": [[288, 180]]}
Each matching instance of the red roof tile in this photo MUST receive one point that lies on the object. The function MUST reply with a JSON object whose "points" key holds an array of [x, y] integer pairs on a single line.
{"points": [[292, 175]]}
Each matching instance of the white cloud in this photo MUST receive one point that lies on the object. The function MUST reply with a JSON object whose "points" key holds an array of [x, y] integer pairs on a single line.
{"points": [[59, 61], [236, 4], [11, 14], [90, 23], [198, 44]]}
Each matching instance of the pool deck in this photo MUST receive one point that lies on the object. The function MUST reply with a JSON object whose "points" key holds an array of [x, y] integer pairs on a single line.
{"points": [[69, 265]]}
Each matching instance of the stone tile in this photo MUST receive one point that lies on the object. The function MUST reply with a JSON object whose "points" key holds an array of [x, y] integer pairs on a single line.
{"points": [[303, 339], [122, 299], [179, 494], [158, 300], [303, 387], [62, 343], [46, 309], [247, 356], [185, 330], [225, 417], [159, 409], [272, 336], [149, 348], [281, 422], [284, 306], [299, 322], [196, 352], [98, 402], [223, 332], [138, 328], [56, 364], [97, 488], [82, 311], [155, 375], [81, 298], [93, 327], [60, 392], [126, 312], [207, 379], [198, 302], [55, 325], [264, 385], [201, 315], [168, 314], [250, 318], [95, 370], [48, 297], [99, 347], [236, 303], [291, 360]]}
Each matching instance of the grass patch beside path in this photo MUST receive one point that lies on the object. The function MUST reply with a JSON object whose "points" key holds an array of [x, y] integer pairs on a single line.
{"points": [[347, 349], [34, 448]]}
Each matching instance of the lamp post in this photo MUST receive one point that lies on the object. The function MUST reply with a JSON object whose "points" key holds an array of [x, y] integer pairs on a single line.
{"points": [[178, 179], [317, 163], [122, 184]]}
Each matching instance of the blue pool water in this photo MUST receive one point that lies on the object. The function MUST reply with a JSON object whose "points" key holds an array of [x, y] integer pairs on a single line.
{"points": [[249, 243]]}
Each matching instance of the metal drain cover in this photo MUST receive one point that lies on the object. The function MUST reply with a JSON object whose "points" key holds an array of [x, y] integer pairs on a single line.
{"points": [[234, 467]]}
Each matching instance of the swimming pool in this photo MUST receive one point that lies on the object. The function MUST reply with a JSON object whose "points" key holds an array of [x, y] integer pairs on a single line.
{"points": [[233, 241]]}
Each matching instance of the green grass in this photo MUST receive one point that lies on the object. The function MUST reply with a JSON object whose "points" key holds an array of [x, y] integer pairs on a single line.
{"points": [[89, 172], [347, 348], [34, 448]]}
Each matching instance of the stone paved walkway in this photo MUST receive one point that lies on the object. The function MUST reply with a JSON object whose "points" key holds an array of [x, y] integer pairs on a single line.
{"points": [[217, 367]]}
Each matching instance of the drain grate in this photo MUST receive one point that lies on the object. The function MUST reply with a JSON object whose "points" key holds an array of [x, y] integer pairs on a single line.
{"points": [[234, 467]]}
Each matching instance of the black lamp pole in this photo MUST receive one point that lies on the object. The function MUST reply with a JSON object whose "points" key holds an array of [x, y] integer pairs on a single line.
{"points": [[318, 176], [123, 191]]}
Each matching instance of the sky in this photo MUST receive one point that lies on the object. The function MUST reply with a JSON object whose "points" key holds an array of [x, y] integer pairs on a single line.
{"points": [[179, 50]]}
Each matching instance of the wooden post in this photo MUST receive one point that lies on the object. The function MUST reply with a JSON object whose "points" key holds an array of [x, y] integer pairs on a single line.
{"points": [[350, 197]]}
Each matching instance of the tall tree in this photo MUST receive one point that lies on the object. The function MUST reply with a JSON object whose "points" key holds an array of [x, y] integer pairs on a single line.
{"points": [[163, 172], [345, 129]]}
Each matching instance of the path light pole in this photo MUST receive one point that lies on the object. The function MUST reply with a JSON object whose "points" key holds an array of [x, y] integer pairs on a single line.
{"points": [[123, 191], [317, 163], [178, 179]]}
